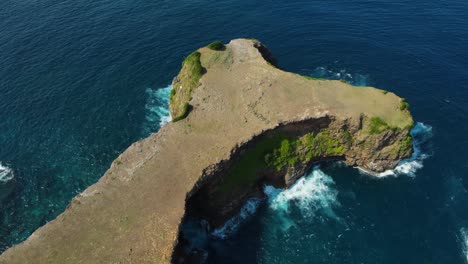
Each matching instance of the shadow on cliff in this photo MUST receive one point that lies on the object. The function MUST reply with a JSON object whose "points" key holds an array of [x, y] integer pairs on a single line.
{"points": [[197, 244]]}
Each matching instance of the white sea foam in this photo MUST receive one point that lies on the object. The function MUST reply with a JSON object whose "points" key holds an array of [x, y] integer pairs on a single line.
{"points": [[464, 240], [233, 224], [6, 174], [157, 108], [421, 134], [341, 74], [312, 194]]}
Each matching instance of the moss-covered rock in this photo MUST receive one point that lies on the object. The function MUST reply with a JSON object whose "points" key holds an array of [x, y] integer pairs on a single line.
{"points": [[216, 45], [184, 84]]}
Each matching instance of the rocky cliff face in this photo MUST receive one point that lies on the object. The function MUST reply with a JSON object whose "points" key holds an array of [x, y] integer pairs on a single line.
{"points": [[239, 121], [281, 155]]}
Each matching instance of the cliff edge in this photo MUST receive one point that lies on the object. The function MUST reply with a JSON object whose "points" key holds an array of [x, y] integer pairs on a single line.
{"points": [[238, 121]]}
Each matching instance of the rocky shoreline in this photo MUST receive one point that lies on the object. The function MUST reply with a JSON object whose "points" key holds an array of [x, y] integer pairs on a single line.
{"points": [[239, 122]]}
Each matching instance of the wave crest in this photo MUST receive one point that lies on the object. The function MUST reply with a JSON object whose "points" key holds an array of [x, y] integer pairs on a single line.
{"points": [[233, 224], [355, 79], [6, 174], [157, 109], [421, 134], [464, 238], [311, 194]]}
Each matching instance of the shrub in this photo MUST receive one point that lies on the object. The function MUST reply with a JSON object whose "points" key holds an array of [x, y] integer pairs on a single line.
{"points": [[277, 152], [407, 144], [171, 96], [254, 160], [377, 125], [193, 66], [188, 79], [284, 155], [304, 149], [404, 105], [216, 45], [184, 114]]}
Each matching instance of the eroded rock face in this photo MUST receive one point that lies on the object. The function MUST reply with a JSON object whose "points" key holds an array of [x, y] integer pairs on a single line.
{"points": [[240, 121], [224, 187]]}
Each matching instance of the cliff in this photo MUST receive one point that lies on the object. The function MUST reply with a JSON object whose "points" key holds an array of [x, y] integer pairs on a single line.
{"points": [[238, 121]]}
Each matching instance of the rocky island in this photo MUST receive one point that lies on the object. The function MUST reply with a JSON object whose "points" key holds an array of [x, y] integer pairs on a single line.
{"points": [[238, 122]]}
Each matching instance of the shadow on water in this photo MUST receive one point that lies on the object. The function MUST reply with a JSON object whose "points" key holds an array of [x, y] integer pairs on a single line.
{"points": [[201, 244], [345, 217]]}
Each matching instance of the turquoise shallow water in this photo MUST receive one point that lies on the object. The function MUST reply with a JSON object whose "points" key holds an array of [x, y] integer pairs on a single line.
{"points": [[82, 80]]}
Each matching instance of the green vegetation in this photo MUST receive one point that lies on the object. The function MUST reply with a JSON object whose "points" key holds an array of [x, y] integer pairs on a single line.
{"points": [[251, 162], [118, 162], [184, 114], [404, 104], [186, 82], [278, 152], [171, 96], [378, 125], [285, 155], [321, 145], [310, 146], [314, 78], [216, 45], [320, 79], [406, 145], [384, 92], [193, 67]]}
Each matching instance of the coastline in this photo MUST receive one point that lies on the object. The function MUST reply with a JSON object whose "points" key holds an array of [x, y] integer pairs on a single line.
{"points": [[145, 190]]}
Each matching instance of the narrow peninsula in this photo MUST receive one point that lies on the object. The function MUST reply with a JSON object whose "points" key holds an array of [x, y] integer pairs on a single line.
{"points": [[238, 122]]}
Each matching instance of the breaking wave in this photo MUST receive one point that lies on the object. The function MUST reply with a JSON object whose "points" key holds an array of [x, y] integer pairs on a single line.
{"points": [[464, 238], [157, 109], [311, 194], [233, 224], [340, 74], [421, 134], [6, 174]]}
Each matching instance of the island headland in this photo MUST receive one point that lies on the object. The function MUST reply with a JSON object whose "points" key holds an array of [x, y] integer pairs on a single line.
{"points": [[239, 122]]}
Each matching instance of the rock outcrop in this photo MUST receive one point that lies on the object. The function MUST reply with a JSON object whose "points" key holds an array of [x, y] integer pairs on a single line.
{"points": [[238, 121]]}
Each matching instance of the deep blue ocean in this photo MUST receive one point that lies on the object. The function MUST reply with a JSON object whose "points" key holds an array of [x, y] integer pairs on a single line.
{"points": [[81, 80]]}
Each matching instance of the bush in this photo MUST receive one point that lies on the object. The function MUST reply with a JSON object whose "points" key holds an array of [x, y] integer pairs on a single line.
{"points": [[171, 96], [254, 160], [406, 145], [184, 114], [216, 45], [377, 125], [284, 155], [194, 67], [404, 105]]}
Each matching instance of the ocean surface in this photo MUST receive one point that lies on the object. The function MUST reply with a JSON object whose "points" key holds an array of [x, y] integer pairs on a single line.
{"points": [[82, 80]]}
